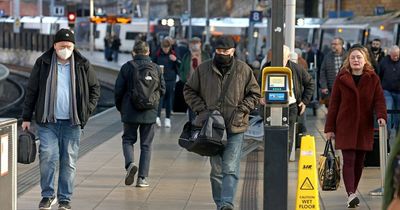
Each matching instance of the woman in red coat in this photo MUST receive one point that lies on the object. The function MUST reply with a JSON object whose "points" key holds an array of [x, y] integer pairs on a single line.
{"points": [[356, 94]]}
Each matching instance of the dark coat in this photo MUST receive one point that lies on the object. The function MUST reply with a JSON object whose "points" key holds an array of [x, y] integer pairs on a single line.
{"points": [[390, 74], [328, 72], [87, 87], [351, 110], [124, 85], [170, 67], [204, 87]]}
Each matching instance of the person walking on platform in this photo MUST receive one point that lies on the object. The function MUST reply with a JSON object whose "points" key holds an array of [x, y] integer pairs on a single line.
{"points": [[390, 78], [377, 51], [135, 118], [63, 92], [202, 92], [303, 89], [356, 95], [331, 64], [115, 44], [168, 58], [190, 62]]}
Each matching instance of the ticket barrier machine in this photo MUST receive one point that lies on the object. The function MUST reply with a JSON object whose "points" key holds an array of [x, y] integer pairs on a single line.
{"points": [[276, 90]]}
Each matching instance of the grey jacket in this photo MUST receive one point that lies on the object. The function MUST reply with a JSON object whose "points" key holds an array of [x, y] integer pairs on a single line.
{"points": [[328, 71], [203, 89]]}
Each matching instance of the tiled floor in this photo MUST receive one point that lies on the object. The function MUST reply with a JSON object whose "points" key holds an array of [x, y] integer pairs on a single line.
{"points": [[179, 180]]}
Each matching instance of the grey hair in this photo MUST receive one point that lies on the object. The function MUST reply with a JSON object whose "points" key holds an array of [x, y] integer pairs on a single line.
{"points": [[393, 49]]}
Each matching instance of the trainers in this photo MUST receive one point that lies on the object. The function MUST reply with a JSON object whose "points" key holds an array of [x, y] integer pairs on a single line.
{"points": [[47, 202], [352, 201], [64, 205], [142, 182], [227, 207], [158, 122], [167, 123], [130, 174]]}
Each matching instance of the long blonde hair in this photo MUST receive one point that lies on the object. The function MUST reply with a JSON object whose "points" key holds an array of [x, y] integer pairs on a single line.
{"points": [[363, 50]]}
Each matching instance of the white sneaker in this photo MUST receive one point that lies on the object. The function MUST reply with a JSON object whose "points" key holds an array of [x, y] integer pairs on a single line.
{"points": [[158, 122], [167, 123], [352, 201], [142, 182]]}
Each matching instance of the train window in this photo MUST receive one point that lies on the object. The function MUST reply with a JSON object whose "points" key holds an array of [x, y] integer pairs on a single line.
{"points": [[131, 35], [384, 34]]}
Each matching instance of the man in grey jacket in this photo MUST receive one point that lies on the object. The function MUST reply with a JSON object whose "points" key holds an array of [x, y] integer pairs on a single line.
{"points": [[331, 66], [202, 92]]}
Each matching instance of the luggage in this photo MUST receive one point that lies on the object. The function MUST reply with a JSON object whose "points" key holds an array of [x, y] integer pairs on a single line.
{"points": [[26, 148], [329, 168], [205, 141]]}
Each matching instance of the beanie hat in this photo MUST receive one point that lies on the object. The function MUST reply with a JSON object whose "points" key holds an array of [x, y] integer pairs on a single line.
{"points": [[224, 42], [64, 35]]}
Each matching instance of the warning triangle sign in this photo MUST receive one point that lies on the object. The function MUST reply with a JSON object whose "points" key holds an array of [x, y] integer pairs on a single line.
{"points": [[307, 185]]}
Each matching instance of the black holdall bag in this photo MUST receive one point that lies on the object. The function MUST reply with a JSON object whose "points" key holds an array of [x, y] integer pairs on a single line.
{"points": [[205, 141], [146, 81], [26, 149]]}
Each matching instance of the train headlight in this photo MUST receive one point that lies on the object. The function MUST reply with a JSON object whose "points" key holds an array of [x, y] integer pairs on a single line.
{"points": [[382, 27], [340, 30]]}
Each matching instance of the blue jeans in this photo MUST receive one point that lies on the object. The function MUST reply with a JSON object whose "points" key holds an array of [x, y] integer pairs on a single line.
{"points": [[59, 142], [168, 99], [225, 168], [392, 100], [130, 137]]}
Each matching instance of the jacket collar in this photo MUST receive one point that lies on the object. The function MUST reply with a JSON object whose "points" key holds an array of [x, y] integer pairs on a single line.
{"points": [[141, 57], [215, 69], [346, 77], [47, 56]]}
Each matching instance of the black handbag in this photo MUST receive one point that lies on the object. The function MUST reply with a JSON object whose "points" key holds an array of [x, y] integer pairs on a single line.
{"points": [[26, 148], [329, 168], [205, 141]]}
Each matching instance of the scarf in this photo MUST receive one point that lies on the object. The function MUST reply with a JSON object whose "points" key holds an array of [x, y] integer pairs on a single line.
{"points": [[51, 93]]}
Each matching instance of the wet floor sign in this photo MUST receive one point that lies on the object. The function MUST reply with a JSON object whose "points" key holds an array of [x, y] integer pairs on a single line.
{"points": [[307, 182]]}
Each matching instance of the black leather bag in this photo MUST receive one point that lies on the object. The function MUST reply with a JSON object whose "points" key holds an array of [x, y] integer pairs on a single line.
{"points": [[26, 148], [329, 168], [205, 141]]}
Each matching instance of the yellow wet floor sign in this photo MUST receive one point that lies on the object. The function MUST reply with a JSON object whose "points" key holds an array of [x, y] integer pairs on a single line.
{"points": [[307, 181]]}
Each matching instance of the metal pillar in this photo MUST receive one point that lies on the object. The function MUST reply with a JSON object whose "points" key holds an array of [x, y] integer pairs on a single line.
{"points": [[91, 27], [251, 47], [276, 138], [207, 24], [290, 24], [190, 19], [148, 19]]}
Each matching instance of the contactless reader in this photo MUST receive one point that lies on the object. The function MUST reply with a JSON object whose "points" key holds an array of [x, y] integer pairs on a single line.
{"points": [[276, 86]]}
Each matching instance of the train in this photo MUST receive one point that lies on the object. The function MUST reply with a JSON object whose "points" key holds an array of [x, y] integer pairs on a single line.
{"points": [[36, 33]]}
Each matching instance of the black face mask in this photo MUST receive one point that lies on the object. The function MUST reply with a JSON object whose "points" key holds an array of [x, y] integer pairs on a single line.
{"points": [[374, 49], [222, 59]]}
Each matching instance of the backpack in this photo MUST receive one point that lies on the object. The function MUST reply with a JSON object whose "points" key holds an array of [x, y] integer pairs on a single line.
{"points": [[145, 93], [26, 149]]}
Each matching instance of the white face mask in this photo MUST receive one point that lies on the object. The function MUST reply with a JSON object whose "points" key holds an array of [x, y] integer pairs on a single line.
{"points": [[64, 53]]}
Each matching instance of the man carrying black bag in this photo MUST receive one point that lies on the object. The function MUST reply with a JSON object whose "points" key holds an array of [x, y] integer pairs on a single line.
{"points": [[202, 93]]}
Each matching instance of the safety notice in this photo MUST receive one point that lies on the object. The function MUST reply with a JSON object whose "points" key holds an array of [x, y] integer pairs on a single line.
{"points": [[307, 183]]}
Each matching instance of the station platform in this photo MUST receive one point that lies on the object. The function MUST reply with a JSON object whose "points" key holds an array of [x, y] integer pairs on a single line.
{"points": [[178, 179]]}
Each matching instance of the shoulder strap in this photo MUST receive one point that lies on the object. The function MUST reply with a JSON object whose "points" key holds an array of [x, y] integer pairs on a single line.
{"points": [[135, 71], [225, 87]]}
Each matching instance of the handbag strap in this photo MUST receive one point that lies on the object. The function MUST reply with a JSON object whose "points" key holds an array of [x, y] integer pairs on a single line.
{"points": [[225, 87], [329, 148]]}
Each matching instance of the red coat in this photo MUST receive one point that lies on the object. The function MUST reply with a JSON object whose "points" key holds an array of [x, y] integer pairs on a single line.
{"points": [[351, 110]]}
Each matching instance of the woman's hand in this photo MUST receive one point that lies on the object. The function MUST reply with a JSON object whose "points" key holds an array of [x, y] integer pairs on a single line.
{"points": [[329, 135], [381, 121]]}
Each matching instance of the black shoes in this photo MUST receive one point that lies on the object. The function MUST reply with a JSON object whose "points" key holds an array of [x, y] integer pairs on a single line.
{"points": [[64, 205], [130, 174], [47, 202]]}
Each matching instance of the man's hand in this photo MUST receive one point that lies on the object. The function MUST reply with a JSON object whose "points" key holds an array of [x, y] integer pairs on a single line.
{"points": [[381, 121], [325, 91], [302, 108], [172, 57], [26, 125]]}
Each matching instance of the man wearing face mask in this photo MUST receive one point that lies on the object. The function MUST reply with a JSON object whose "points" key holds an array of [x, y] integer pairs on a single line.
{"points": [[190, 62], [202, 92], [63, 92]]}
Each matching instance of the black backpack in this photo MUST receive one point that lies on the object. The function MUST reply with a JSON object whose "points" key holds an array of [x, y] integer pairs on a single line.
{"points": [[146, 82], [26, 148]]}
